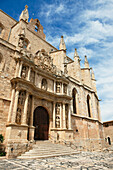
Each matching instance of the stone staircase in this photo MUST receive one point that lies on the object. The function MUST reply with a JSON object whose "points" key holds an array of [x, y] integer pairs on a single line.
{"points": [[46, 149]]}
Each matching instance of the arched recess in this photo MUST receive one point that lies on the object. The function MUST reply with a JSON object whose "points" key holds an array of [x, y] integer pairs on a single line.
{"points": [[89, 105], [1, 56], [26, 43], [1, 28], [41, 123], [74, 96], [44, 84]]}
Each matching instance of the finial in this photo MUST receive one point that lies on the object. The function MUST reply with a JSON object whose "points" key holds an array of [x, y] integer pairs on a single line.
{"points": [[24, 15], [92, 74], [86, 62], [26, 7], [76, 54], [62, 45]]}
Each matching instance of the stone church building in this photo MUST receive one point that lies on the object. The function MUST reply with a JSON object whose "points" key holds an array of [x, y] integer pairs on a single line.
{"points": [[44, 94]]}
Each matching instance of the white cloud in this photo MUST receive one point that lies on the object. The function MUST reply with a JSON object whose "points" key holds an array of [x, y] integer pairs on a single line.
{"points": [[89, 28], [60, 8]]}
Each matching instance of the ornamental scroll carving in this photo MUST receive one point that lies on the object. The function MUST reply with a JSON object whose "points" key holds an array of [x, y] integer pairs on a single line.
{"points": [[45, 62], [20, 108]]}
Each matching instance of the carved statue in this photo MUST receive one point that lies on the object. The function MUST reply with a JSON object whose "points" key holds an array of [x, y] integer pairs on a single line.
{"points": [[18, 116], [57, 122], [44, 84], [24, 15]]}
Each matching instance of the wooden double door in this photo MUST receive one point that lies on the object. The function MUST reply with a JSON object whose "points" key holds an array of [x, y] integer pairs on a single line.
{"points": [[41, 123]]}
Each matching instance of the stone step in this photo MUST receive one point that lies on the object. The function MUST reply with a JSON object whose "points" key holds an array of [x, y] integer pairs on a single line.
{"points": [[46, 149], [45, 156], [46, 152]]}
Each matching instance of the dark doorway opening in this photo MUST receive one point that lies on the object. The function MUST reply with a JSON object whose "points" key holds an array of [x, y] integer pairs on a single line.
{"points": [[41, 123], [109, 141]]}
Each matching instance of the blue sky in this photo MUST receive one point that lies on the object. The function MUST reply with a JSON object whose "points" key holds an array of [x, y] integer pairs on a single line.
{"points": [[87, 26]]}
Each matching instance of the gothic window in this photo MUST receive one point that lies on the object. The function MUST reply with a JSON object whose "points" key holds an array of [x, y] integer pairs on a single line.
{"points": [[74, 96], [65, 88], [20, 108], [32, 76], [24, 72], [44, 84], [88, 105], [58, 87]]}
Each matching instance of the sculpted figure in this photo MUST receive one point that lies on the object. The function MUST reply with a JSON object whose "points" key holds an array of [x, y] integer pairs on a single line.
{"points": [[24, 15]]}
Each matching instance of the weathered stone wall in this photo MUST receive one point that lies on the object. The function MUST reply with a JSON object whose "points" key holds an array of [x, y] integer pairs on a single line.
{"points": [[7, 71], [7, 23], [35, 42]]}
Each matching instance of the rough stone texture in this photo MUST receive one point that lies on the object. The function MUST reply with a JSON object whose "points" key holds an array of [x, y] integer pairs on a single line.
{"points": [[81, 161], [33, 73]]}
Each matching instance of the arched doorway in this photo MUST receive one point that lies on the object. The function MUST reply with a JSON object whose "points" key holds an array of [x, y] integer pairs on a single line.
{"points": [[41, 123]]}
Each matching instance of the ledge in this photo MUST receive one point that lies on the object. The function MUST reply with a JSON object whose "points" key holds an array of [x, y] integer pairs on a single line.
{"points": [[88, 118], [16, 125], [28, 83], [60, 129]]}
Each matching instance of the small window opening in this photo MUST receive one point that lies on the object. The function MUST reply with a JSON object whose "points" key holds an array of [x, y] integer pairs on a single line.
{"points": [[36, 28]]}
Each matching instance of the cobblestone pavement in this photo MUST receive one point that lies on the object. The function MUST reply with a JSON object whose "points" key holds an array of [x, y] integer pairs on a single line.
{"points": [[80, 161]]}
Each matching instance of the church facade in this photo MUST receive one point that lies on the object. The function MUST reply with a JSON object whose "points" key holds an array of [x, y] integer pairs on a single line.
{"points": [[44, 94]]}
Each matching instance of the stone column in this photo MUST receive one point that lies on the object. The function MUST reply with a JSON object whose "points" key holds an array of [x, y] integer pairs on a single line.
{"points": [[54, 86], [32, 111], [11, 104], [64, 117], [69, 118], [29, 71], [35, 78], [54, 114], [62, 89], [15, 106], [24, 118], [17, 69], [60, 116], [20, 69]]}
